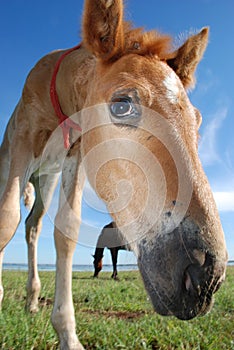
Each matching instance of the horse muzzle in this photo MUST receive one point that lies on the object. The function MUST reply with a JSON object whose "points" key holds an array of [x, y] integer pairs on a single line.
{"points": [[181, 273]]}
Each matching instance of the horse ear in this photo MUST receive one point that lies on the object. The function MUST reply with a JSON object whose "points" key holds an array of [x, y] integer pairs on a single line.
{"points": [[185, 60], [103, 27]]}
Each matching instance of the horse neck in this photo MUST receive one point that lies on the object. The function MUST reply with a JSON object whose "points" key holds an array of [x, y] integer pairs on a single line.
{"points": [[75, 73], [98, 255]]}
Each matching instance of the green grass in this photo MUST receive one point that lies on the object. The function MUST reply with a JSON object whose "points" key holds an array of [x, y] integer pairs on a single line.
{"points": [[113, 315]]}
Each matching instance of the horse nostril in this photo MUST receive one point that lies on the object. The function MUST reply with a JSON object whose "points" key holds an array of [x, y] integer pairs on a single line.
{"points": [[192, 279], [187, 281], [209, 260], [199, 275]]}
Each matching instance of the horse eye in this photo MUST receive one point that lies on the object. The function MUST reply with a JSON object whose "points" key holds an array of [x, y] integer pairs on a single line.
{"points": [[121, 107]]}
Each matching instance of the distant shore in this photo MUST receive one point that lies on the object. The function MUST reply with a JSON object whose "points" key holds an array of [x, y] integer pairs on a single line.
{"points": [[52, 267]]}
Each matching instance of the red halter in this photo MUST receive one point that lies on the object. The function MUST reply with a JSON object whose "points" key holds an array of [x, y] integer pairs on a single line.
{"points": [[64, 121]]}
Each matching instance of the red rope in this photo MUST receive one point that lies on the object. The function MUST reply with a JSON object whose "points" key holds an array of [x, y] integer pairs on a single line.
{"points": [[64, 121]]}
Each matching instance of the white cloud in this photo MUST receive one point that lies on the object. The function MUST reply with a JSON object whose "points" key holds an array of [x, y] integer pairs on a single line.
{"points": [[208, 144], [224, 201]]}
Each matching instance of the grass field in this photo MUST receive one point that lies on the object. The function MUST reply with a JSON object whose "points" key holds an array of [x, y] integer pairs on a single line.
{"points": [[112, 315]]}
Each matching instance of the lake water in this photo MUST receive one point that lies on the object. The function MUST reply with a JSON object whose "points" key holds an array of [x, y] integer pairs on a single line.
{"points": [[47, 267]]}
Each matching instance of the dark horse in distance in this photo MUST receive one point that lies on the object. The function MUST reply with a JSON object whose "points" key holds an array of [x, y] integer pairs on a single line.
{"points": [[110, 238]]}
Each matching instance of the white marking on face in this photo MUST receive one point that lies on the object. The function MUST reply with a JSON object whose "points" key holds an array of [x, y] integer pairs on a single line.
{"points": [[173, 90]]}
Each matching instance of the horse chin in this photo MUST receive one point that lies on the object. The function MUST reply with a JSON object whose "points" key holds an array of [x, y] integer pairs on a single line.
{"points": [[177, 282]]}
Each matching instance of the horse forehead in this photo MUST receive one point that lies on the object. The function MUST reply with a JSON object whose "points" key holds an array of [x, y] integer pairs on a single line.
{"points": [[146, 73]]}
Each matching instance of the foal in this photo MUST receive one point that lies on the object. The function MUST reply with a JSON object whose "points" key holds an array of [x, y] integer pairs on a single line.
{"points": [[126, 90]]}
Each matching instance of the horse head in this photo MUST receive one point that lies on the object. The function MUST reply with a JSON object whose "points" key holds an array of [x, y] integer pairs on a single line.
{"points": [[97, 263], [140, 152]]}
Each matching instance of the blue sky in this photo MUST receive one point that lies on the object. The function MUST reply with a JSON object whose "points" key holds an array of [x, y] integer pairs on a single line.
{"points": [[30, 29]]}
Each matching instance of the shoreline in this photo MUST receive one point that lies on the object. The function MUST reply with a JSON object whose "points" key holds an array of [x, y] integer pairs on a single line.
{"points": [[77, 267]]}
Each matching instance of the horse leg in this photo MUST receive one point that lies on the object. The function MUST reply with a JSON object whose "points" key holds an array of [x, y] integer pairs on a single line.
{"points": [[4, 172], [67, 223], [1, 286], [44, 187], [114, 256], [14, 162], [10, 200]]}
